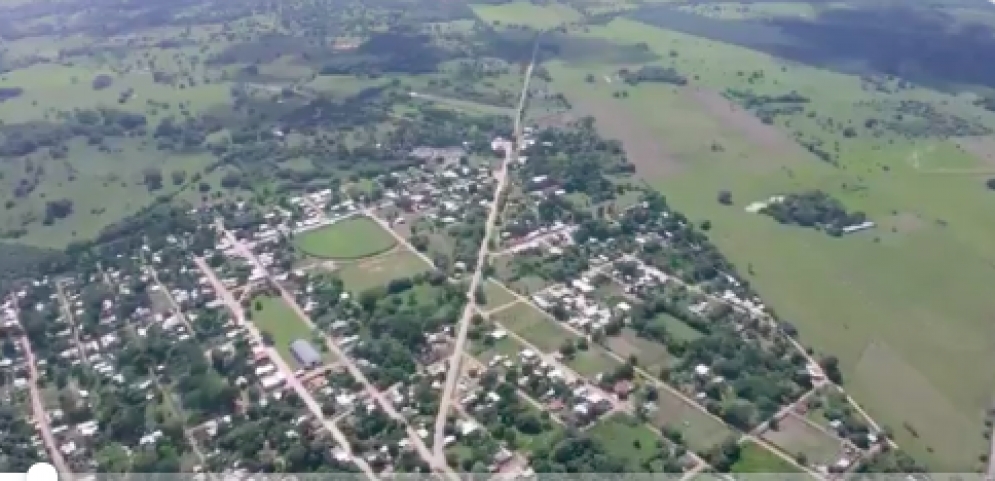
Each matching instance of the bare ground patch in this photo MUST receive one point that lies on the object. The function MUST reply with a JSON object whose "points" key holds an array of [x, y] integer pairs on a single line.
{"points": [[738, 119], [982, 147], [642, 146]]}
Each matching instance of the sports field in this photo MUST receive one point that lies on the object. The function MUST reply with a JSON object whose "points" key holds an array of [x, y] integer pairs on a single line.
{"points": [[352, 238]]}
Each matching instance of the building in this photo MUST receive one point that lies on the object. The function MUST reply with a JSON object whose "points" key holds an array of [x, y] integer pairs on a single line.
{"points": [[307, 356]]}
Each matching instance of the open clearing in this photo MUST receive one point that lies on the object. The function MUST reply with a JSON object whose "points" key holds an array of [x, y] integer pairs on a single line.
{"points": [[523, 13], [626, 438], [497, 295], [922, 292], [352, 238], [272, 315], [754, 458], [366, 274], [592, 361], [534, 326], [700, 431], [795, 435], [650, 355]]}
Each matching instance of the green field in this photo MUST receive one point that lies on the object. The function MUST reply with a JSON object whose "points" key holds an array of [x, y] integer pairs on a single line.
{"points": [[593, 361], [497, 295], [700, 431], [794, 435], [523, 13], [903, 305], [627, 439], [537, 328], [272, 315], [361, 275], [757, 459], [352, 238]]}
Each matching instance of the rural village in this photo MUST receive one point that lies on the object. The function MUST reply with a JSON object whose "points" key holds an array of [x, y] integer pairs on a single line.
{"points": [[465, 317]]}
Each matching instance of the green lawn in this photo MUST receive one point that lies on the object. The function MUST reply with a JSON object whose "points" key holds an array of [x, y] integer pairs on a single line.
{"points": [[757, 459], [593, 361], [626, 438], [496, 295], [274, 316], [904, 306], [361, 275], [352, 238], [537, 328], [701, 432]]}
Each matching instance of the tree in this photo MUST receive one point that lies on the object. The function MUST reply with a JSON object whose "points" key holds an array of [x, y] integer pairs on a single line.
{"points": [[153, 178], [568, 349], [831, 365], [268, 338], [990, 183], [725, 197]]}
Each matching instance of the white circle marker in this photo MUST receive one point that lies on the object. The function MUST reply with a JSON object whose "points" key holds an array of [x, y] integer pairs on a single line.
{"points": [[42, 472]]}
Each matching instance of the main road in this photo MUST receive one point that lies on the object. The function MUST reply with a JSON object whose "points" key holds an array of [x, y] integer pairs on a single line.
{"points": [[510, 154]]}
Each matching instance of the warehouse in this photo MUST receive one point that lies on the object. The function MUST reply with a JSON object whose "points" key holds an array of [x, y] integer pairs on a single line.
{"points": [[305, 354]]}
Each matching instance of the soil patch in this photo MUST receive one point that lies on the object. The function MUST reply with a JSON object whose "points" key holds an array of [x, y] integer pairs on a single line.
{"points": [[982, 147], [737, 119], [642, 146]]}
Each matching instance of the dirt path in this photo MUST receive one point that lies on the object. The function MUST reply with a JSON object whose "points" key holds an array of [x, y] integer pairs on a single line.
{"points": [[288, 373], [38, 410], [463, 329]]}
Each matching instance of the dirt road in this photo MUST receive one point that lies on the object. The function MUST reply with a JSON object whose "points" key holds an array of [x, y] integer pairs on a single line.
{"points": [[511, 152], [38, 408], [356, 373], [236, 309]]}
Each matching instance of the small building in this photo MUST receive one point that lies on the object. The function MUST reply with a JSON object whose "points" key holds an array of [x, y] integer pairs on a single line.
{"points": [[307, 356]]}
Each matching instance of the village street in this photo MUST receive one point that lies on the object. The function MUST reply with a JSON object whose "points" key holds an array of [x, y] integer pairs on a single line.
{"points": [[38, 409], [288, 374], [511, 152], [356, 373]]}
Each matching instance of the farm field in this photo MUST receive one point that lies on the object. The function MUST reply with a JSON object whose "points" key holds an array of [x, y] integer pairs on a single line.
{"points": [[272, 315], [626, 438], [912, 291], [497, 295], [534, 326], [795, 436], [700, 431], [524, 13], [650, 355], [352, 238], [592, 361], [757, 459], [365, 274]]}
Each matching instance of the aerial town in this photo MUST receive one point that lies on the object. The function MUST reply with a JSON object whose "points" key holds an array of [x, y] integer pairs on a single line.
{"points": [[353, 333]]}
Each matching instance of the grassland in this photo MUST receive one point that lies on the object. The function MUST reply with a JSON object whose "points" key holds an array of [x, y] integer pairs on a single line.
{"points": [[627, 439], [652, 356], [497, 295], [272, 315], [902, 306], [361, 275], [700, 431], [757, 459], [533, 326], [592, 361], [539, 17], [794, 435], [349, 239]]}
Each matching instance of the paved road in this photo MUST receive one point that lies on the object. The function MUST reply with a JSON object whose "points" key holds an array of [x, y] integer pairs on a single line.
{"points": [[38, 408], [511, 152], [356, 373], [288, 373]]}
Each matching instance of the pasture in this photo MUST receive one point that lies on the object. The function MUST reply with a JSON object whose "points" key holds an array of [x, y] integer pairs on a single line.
{"points": [[361, 275], [496, 295], [903, 305], [627, 439], [795, 435], [593, 361], [650, 355], [272, 315], [534, 326], [700, 431], [540, 17], [349, 239], [754, 458]]}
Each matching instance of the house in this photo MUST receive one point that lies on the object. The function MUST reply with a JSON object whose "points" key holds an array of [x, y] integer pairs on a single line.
{"points": [[305, 354]]}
